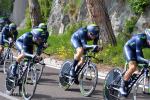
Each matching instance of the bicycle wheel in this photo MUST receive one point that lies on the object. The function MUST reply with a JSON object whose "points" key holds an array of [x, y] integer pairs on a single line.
{"points": [[9, 82], [8, 59], [64, 72], [88, 80], [112, 80], [39, 68], [142, 89], [29, 84]]}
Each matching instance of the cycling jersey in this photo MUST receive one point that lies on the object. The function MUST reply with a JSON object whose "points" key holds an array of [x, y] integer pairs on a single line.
{"points": [[5, 34], [26, 44], [80, 38], [133, 48]]}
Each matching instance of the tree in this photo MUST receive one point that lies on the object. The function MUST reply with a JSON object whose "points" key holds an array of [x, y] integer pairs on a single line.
{"points": [[35, 13], [99, 15]]}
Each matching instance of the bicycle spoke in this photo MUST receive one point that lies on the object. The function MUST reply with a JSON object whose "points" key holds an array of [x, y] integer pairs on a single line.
{"points": [[29, 85], [63, 78], [88, 80], [141, 90]]}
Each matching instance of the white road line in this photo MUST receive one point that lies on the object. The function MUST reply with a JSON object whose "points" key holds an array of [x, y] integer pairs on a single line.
{"points": [[7, 96]]}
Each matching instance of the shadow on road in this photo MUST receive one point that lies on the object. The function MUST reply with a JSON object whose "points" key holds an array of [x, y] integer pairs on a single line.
{"points": [[42, 97]]}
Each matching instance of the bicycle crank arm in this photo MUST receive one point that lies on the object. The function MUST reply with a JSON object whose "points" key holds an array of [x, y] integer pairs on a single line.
{"points": [[88, 79]]}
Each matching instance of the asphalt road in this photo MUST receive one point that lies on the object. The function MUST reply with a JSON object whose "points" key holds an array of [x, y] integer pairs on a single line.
{"points": [[48, 89]]}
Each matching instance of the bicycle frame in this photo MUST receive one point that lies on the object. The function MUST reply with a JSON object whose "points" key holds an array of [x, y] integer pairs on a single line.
{"points": [[29, 63], [8, 50], [144, 71], [87, 61]]}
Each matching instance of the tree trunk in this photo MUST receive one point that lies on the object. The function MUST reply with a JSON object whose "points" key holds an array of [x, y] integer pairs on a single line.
{"points": [[99, 15], [34, 10]]}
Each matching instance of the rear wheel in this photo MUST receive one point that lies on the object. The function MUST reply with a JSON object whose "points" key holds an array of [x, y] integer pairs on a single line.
{"points": [[112, 80], [10, 82], [64, 72], [88, 80]]}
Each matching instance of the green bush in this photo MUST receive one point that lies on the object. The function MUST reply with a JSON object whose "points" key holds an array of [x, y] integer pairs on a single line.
{"points": [[60, 45], [129, 27], [138, 6], [113, 55], [22, 31], [45, 7], [28, 19]]}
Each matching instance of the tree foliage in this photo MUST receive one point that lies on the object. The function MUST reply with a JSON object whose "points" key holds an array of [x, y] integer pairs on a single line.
{"points": [[138, 6], [6, 7]]}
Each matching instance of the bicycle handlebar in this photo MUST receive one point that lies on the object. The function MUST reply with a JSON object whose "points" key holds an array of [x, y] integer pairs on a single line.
{"points": [[91, 56]]}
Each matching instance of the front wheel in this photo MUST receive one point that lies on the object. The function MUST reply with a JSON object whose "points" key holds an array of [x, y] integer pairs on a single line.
{"points": [[10, 82], [39, 68], [64, 72], [29, 83], [112, 81], [88, 79], [141, 90]]}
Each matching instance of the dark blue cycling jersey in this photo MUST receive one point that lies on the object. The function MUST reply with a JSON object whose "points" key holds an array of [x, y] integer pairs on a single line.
{"points": [[26, 44], [80, 38], [133, 48], [5, 34]]}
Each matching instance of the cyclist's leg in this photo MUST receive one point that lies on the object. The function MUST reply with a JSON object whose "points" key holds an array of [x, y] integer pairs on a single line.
{"points": [[1, 44], [82, 59], [131, 58], [18, 59], [79, 52]]}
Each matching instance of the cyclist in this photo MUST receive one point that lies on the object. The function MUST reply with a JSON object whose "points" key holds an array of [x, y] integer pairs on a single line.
{"points": [[7, 33], [25, 45], [44, 27], [133, 54], [4, 21], [79, 41]]}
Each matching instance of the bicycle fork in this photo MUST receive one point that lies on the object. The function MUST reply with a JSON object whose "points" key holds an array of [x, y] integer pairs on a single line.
{"points": [[146, 82]]}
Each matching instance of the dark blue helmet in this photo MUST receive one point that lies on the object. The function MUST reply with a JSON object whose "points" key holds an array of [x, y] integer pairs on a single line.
{"points": [[12, 27], [93, 29], [43, 26], [38, 34]]}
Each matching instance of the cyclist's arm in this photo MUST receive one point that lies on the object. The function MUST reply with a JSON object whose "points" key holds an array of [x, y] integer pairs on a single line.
{"points": [[85, 45], [4, 36], [46, 38], [39, 49], [5, 40], [28, 55], [15, 35], [95, 42], [139, 52]]}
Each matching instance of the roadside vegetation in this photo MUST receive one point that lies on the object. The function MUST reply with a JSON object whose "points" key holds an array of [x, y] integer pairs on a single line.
{"points": [[60, 45]]}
